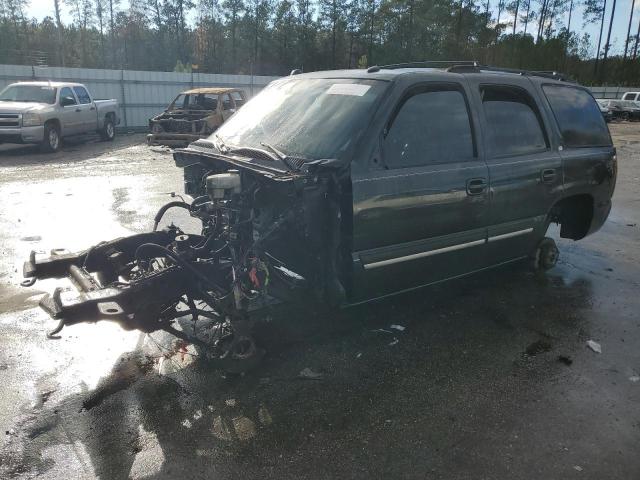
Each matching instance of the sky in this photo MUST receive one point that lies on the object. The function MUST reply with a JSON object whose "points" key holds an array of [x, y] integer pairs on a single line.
{"points": [[42, 8]]}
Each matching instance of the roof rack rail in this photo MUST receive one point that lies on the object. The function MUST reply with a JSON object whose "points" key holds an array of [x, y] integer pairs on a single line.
{"points": [[429, 64], [535, 73], [472, 66]]}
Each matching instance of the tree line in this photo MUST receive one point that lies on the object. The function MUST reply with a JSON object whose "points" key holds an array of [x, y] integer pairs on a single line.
{"points": [[272, 37]]}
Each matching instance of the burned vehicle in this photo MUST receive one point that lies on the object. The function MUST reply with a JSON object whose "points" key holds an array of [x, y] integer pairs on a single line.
{"points": [[194, 114], [336, 188]]}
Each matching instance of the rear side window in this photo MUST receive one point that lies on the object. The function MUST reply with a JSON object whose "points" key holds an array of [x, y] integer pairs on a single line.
{"points": [[227, 104], [578, 116], [431, 127], [82, 94], [514, 123], [237, 98]]}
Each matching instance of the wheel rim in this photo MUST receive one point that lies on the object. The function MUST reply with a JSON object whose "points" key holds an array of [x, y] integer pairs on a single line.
{"points": [[110, 130], [53, 138]]}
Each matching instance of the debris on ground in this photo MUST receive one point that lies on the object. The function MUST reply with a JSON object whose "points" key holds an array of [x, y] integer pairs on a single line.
{"points": [[634, 378], [567, 360], [197, 415], [4, 366], [595, 346], [186, 423], [11, 431], [394, 342], [244, 427], [310, 374], [578, 468], [230, 402], [359, 354], [400, 328], [382, 330], [537, 347], [264, 416]]}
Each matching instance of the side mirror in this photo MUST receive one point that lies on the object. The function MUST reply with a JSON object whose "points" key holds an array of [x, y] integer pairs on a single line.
{"points": [[65, 101]]}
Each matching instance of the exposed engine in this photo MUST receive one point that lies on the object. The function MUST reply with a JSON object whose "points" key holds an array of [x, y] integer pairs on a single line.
{"points": [[264, 239]]}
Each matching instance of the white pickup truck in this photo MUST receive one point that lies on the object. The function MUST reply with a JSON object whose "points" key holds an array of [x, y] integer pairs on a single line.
{"points": [[45, 112]]}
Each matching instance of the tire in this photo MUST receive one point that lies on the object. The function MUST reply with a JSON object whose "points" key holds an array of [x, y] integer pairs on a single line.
{"points": [[108, 132], [545, 256], [51, 141]]}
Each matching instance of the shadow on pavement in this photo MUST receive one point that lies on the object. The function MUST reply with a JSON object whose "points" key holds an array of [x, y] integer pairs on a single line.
{"points": [[388, 402]]}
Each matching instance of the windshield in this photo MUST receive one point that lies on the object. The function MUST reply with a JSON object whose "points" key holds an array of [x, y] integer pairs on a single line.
{"points": [[307, 118], [29, 93]]}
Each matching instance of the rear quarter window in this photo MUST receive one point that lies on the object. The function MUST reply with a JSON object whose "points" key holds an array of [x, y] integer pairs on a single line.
{"points": [[578, 116]]}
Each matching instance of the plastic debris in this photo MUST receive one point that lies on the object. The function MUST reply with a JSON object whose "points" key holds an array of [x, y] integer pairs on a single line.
{"points": [[210, 407], [595, 346], [231, 402], [197, 415], [310, 374], [577, 468], [400, 328], [186, 423], [634, 378], [382, 330], [394, 342], [359, 354]]}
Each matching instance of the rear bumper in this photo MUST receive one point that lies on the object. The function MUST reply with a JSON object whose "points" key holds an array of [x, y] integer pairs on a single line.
{"points": [[22, 134], [172, 139]]}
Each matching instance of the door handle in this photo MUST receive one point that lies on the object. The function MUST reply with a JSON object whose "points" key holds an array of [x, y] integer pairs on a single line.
{"points": [[92, 108], [78, 110], [548, 175], [476, 186]]}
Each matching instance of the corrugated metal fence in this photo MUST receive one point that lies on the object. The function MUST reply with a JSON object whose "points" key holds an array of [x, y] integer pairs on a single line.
{"points": [[140, 94]]}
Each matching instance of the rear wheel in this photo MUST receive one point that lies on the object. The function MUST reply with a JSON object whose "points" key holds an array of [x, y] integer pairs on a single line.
{"points": [[51, 141], [108, 132]]}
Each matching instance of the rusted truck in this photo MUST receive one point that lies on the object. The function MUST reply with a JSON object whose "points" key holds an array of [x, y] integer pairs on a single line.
{"points": [[194, 114]]}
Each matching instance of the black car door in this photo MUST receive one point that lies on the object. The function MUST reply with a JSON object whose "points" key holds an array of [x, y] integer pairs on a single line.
{"points": [[525, 168], [421, 210]]}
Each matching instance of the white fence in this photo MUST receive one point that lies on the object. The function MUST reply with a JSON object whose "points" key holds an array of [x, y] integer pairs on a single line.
{"points": [[140, 94]]}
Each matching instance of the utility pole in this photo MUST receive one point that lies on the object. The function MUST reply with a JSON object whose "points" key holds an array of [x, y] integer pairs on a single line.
{"points": [[626, 40], [595, 68], [56, 4], [608, 44]]}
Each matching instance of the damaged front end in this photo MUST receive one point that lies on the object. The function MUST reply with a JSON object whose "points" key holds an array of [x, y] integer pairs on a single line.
{"points": [[268, 235]]}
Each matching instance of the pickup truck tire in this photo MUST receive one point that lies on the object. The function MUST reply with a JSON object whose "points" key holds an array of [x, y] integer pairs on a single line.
{"points": [[51, 141], [108, 132]]}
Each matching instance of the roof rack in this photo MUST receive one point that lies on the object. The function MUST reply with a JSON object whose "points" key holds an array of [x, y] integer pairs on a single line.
{"points": [[471, 66], [429, 64]]}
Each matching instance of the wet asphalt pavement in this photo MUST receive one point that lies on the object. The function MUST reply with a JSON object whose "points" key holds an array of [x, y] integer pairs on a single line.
{"points": [[490, 379]]}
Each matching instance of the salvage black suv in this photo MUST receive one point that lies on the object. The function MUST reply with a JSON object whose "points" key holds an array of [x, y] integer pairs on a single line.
{"points": [[341, 187]]}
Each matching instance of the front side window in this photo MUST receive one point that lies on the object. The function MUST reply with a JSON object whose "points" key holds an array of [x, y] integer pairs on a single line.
{"points": [[66, 93], [513, 121], [82, 94], [431, 127], [308, 118], [578, 116]]}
